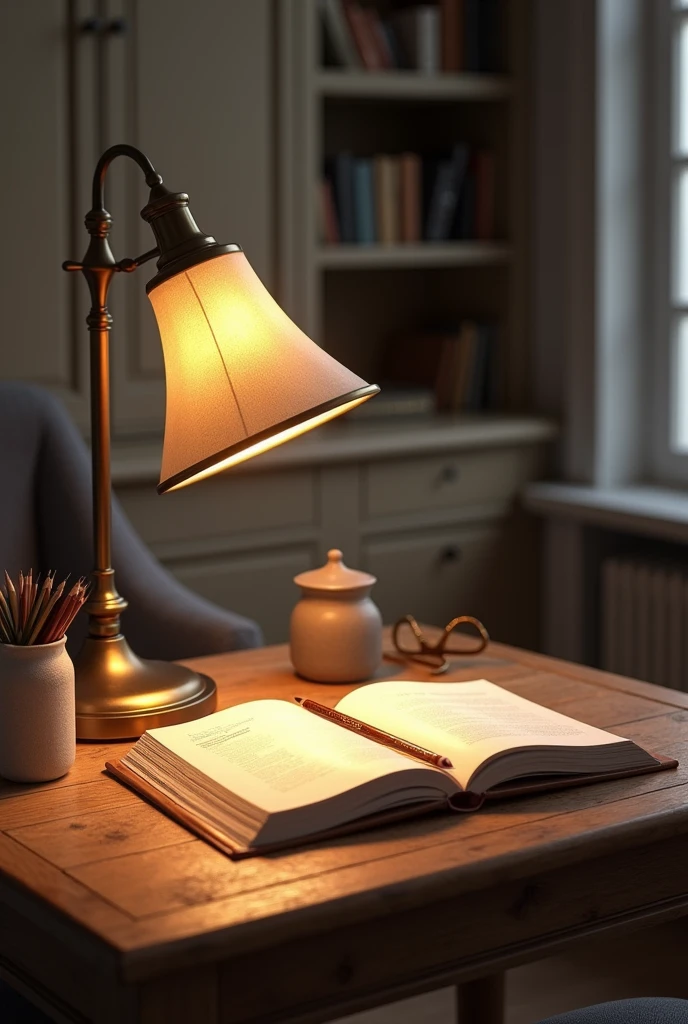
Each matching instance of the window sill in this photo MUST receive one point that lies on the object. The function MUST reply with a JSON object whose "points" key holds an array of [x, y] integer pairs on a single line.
{"points": [[643, 509]]}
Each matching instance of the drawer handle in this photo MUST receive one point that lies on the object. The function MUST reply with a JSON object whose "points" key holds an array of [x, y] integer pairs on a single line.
{"points": [[101, 26], [450, 555], [449, 474]]}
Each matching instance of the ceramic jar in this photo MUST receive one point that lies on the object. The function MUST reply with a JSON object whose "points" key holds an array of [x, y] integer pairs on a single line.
{"points": [[37, 712], [336, 630]]}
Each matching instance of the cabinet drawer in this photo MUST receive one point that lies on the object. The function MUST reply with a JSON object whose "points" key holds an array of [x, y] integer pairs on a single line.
{"points": [[434, 575], [445, 481], [223, 506], [259, 585]]}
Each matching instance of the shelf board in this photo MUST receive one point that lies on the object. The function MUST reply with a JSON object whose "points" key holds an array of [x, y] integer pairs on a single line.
{"points": [[424, 254], [412, 85]]}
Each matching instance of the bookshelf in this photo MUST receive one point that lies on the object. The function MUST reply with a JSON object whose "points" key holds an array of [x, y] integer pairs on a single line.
{"points": [[424, 254], [411, 85], [354, 298]]}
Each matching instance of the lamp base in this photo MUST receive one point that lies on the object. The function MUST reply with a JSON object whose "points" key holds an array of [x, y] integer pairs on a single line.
{"points": [[119, 696]]}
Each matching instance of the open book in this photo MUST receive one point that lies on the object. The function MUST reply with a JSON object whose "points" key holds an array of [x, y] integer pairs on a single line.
{"points": [[269, 773]]}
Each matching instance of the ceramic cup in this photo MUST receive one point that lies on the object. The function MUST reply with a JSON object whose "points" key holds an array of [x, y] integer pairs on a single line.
{"points": [[336, 629], [37, 712]]}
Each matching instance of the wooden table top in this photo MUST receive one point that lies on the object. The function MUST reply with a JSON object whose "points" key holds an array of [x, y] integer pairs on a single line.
{"points": [[93, 878]]}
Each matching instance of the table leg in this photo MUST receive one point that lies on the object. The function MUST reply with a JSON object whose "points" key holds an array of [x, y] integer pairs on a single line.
{"points": [[481, 1001]]}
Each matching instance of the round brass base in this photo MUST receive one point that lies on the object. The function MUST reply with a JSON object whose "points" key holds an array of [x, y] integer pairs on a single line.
{"points": [[119, 696]]}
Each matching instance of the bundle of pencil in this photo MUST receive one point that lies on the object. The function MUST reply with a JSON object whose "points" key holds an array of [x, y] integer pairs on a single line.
{"points": [[35, 612]]}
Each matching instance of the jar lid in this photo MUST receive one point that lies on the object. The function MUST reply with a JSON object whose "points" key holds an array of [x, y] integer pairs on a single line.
{"points": [[334, 575]]}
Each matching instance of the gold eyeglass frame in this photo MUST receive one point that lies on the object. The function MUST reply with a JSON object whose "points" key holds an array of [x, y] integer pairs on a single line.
{"points": [[434, 655]]}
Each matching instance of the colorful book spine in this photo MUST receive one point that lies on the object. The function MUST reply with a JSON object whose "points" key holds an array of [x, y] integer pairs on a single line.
{"points": [[363, 35], [338, 35], [364, 202], [386, 174]]}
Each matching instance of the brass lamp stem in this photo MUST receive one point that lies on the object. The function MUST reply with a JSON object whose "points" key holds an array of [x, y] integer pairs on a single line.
{"points": [[118, 695]]}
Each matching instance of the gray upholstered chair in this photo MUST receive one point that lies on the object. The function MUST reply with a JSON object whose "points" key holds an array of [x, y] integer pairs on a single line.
{"points": [[45, 523], [654, 1010]]}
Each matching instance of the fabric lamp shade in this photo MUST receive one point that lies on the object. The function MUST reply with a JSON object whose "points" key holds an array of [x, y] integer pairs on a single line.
{"points": [[241, 377]]}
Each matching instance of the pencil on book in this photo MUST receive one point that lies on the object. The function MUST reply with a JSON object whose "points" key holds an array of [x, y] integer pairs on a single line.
{"points": [[372, 733]]}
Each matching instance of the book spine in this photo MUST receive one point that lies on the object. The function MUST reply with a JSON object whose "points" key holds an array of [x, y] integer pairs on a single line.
{"points": [[410, 197], [445, 198], [386, 172], [465, 218], [428, 33], [344, 195], [329, 232], [399, 57], [484, 195], [364, 202], [338, 34], [471, 35], [362, 35], [451, 32], [377, 34]]}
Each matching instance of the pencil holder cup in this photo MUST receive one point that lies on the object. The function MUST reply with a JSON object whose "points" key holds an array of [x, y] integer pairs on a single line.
{"points": [[37, 712]]}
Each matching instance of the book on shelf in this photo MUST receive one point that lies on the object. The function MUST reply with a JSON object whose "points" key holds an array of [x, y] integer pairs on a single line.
{"points": [[446, 190], [364, 202], [451, 35], [448, 36], [387, 204], [418, 29], [271, 774], [460, 364], [361, 21], [392, 198], [339, 43]]}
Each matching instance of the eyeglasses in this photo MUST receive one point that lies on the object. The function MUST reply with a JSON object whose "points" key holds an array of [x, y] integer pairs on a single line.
{"points": [[410, 641]]}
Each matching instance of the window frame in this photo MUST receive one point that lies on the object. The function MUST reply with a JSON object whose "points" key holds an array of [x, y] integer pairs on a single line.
{"points": [[668, 464]]}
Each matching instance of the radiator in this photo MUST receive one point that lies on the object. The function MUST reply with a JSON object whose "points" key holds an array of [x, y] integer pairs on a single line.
{"points": [[644, 619]]}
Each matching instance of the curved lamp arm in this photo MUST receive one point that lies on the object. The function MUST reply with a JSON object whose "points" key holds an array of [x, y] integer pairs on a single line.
{"points": [[151, 175]]}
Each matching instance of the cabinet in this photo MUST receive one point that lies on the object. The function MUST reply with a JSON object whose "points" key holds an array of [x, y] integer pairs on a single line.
{"points": [[428, 509], [171, 77]]}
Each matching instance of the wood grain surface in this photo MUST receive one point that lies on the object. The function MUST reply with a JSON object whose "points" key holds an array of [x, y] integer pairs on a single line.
{"points": [[111, 911]]}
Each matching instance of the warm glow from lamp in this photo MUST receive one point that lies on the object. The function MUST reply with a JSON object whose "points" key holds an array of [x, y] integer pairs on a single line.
{"points": [[241, 377]]}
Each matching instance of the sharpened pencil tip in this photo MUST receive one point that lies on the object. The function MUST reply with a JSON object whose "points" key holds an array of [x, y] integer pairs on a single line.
{"points": [[446, 763], [299, 700]]}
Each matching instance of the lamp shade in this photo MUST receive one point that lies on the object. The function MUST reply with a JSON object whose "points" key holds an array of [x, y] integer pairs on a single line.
{"points": [[240, 375]]}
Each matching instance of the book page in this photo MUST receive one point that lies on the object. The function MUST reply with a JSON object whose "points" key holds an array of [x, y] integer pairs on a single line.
{"points": [[278, 756], [467, 722]]}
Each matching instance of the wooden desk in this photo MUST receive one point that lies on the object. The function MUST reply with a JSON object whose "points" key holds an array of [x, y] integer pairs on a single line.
{"points": [[113, 913]]}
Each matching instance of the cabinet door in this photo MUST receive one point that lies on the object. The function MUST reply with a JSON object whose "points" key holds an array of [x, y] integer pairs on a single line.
{"points": [[258, 584], [195, 88], [40, 54], [433, 574]]}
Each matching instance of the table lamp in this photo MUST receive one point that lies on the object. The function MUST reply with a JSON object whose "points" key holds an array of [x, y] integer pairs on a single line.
{"points": [[240, 378]]}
